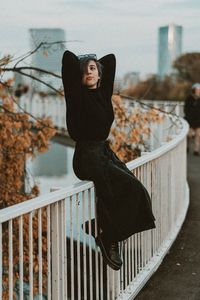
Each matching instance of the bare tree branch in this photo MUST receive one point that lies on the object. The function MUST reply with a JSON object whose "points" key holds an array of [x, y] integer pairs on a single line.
{"points": [[42, 44], [149, 105], [33, 51], [14, 69], [39, 80]]}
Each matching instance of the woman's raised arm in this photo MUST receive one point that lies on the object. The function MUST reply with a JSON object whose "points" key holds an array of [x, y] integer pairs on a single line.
{"points": [[109, 66], [71, 78]]}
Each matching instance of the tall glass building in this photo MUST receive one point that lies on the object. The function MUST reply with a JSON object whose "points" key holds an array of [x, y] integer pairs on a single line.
{"points": [[169, 47], [49, 56]]}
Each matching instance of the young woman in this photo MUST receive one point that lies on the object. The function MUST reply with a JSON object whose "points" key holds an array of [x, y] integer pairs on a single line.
{"points": [[123, 203]]}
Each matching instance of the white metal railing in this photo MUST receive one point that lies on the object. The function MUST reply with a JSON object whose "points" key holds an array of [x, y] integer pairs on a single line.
{"points": [[47, 106], [54, 107], [45, 251], [175, 107]]}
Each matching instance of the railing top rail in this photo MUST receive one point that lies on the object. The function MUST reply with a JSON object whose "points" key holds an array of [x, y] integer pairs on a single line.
{"points": [[47, 199], [161, 101], [161, 150], [16, 210]]}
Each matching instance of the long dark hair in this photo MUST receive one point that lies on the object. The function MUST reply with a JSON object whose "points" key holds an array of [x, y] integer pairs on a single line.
{"points": [[84, 64]]}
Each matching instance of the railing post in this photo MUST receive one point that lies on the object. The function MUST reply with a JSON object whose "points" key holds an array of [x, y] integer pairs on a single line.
{"points": [[1, 262], [58, 249]]}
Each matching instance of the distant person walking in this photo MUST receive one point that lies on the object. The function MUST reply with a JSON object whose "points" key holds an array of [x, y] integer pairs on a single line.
{"points": [[123, 203], [192, 115]]}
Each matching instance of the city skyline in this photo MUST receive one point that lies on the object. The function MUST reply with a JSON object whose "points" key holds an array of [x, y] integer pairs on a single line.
{"points": [[128, 29]]}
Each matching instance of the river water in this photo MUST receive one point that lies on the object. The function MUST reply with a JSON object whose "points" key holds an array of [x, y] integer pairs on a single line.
{"points": [[53, 169]]}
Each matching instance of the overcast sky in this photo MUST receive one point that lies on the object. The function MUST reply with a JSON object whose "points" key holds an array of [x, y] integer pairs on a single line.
{"points": [[127, 28]]}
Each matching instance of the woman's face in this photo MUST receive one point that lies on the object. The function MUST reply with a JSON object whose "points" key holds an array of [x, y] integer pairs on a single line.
{"points": [[91, 75]]}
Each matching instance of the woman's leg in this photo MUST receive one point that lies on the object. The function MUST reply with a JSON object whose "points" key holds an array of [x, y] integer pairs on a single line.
{"points": [[89, 164]]}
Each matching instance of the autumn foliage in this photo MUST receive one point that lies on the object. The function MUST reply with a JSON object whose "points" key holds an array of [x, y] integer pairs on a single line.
{"points": [[20, 137], [131, 129]]}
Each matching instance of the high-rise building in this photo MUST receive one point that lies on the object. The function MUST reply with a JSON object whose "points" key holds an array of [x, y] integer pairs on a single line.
{"points": [[169, 48], [48, 56]]}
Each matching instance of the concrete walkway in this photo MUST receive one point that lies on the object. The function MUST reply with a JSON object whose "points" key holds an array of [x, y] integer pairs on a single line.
{"points": [[178, 277]]}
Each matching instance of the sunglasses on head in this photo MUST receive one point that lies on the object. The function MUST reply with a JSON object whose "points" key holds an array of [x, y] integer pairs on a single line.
{"points": [[83, 56]]}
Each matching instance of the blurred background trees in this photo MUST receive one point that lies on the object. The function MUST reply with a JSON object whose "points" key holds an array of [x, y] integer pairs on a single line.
{"points": [[188, 67], [174, 87]]}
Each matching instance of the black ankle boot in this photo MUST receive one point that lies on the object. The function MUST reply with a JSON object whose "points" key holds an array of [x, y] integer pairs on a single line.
{"points": [[110, 253], [114, 253]]}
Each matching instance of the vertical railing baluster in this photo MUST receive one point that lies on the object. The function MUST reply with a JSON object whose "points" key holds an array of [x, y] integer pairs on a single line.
{"points": [[71, 248], [10, 259], [61, 246], [108, 282], [21, 258], [40, 252], [146, 246], [142, 250], [144, 242], [96, 253], [90, 247], [132, 258], [150, 243], [136, 254], [78, 248], [64, 248], [155, 204], [159, 203], [55, 254], [117, 284], [1, 261], [125, 263], [113, 283], [101, 278], [49, 253], [139, 252], [122, 270], [31, 255], [84, 247], [129, 260]]}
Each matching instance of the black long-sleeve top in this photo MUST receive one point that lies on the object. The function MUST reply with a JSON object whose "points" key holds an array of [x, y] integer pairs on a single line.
{"points": [[89, 111]]}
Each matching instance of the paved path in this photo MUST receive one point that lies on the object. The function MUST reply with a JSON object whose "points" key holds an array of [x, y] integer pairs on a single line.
{"points": [[178, 277]]}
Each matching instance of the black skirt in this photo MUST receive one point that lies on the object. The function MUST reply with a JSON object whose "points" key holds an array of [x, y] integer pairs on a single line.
{"points": [[123, 203]]}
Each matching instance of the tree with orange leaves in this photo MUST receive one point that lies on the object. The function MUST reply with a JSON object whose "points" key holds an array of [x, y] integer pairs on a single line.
{"points": [[21, 136], [131, 129]]}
